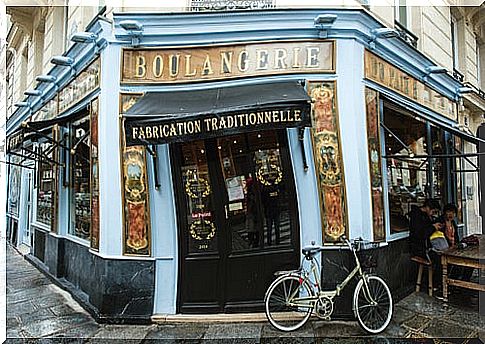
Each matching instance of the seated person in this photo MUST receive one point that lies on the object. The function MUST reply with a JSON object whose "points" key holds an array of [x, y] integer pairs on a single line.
{"points": [[421, 226], [450, 230]]}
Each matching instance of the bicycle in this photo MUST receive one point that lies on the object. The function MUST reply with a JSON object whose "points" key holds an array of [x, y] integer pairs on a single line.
{"points": [[294, 296]]}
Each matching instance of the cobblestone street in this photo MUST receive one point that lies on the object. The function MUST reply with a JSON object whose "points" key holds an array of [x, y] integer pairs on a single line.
{"points": [[36, 308]]}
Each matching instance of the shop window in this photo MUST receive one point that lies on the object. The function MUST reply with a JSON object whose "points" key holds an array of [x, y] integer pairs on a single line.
{"points": [[407, 177], [81, 183], [46, 186]]}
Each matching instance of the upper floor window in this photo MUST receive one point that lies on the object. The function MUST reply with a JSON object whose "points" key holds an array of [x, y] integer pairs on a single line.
{"points": [[401, 12], [454, 42]]}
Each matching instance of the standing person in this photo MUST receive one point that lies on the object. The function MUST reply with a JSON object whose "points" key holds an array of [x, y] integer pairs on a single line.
{"points": [[421, 225]]}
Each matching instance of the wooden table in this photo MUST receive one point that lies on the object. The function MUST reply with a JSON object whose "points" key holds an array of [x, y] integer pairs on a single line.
{"points": [[470, 256]]}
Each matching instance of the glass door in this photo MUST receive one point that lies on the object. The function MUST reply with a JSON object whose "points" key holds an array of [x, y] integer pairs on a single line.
{"points": [[237, 216]]}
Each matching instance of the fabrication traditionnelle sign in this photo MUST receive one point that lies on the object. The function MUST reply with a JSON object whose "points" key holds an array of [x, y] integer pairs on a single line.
{"points": [[159, 131]]}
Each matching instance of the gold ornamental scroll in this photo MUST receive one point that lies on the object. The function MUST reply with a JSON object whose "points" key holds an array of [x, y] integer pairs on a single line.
{"points": [[385, 74], [94, 237], [219, 62], [136, 212], [374, 149], [328, 159]]}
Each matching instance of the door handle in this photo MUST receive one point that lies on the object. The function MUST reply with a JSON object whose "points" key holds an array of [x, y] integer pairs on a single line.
{"points": [[227, 213]]}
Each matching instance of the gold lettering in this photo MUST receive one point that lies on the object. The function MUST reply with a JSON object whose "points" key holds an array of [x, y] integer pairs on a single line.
{"points": [[214, 123], [297, 115], [296, 58], [290, 117], [142, 133], [260, 118], [190, 127], [187, 66], [226, 57], [243, 61], [222, 123], [207, 69], [230, 122], [283, 117], [207, 123], [241, 117], [279, 60], [173, 130], [197, 126], [275, 116], [173, 64], [157, 66], [267, 116], [179, 127], [166, 132], [312, 57], [262, 58], [135, 132], [155, 132], [140, 69], [252, 118]]}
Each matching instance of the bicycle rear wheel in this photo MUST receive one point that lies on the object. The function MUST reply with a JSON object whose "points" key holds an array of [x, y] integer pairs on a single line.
{"points": [[283, 308], [373, 305]]}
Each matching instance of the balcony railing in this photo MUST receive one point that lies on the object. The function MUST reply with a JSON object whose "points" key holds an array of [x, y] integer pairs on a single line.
{"points": [[406, 35]]}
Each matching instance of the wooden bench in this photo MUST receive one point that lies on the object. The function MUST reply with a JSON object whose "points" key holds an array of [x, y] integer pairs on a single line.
{"points": [[422, 262]]}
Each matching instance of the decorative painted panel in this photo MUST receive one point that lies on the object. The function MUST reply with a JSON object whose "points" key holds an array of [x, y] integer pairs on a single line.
{"points": [[14, 185], [94, 238], [328, 159], [374, 149], [136, 236]]}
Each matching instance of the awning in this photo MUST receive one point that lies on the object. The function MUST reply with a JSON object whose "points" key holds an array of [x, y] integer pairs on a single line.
{"points": [[445, 126], [61, 120], [162, 117]]}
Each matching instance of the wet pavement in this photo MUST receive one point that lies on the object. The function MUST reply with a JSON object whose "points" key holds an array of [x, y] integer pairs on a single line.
{"points": [[38, 311]]}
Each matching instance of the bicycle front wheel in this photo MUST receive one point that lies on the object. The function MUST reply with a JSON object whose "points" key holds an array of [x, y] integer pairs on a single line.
{"points": [[373, 304], [288, 303]]}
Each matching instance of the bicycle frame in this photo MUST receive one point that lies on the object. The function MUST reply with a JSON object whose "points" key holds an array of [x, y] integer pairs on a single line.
{"points": [[310, 301]]}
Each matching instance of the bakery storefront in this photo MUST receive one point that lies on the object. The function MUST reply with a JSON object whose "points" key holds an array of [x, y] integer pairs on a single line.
{"points": [[231, 166], [201, 158]]}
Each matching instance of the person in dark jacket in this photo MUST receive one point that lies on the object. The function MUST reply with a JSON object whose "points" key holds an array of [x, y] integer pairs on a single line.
{"points": [[421, 225]]}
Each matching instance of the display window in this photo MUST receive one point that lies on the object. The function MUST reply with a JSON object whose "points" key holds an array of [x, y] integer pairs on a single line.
{"points": [[46, 186], [81, 181], [416, 169]]}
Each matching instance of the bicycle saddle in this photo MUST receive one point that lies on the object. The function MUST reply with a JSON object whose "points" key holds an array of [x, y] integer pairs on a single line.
{"points": [[311, 250]]}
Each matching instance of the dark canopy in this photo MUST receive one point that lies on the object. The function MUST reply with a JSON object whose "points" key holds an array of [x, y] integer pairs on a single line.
{"points": [[161, 117]]}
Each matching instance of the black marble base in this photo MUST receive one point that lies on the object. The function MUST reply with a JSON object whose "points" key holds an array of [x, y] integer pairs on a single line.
{"points": [[393, 265], [112, 290], [39, 243]]}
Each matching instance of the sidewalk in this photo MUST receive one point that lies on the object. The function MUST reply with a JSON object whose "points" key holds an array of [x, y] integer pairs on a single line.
{"points": [[36, 308]]}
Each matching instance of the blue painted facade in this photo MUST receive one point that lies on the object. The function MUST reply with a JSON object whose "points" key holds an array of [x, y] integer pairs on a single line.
{"points": [[352, 32]]}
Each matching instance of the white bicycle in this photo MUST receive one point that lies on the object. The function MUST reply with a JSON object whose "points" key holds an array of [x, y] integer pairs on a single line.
{"points": [[295, 295]]}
